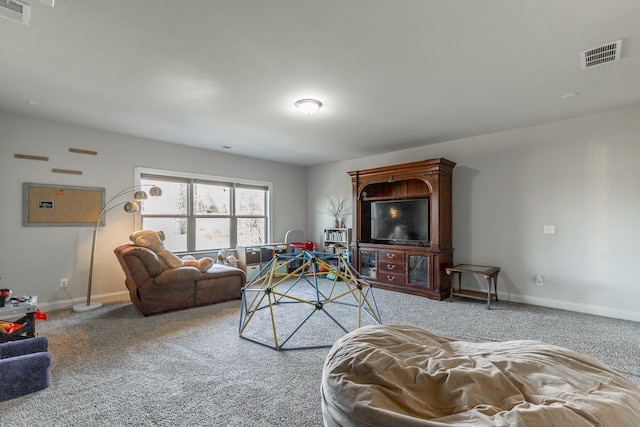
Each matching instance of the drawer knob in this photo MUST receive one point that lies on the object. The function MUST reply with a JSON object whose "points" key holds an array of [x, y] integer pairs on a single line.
{"points": [[391, 266], [391, 256], [391, 278]]}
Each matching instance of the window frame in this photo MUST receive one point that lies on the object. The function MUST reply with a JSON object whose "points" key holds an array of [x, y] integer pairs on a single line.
{"points": [[195, 178]]}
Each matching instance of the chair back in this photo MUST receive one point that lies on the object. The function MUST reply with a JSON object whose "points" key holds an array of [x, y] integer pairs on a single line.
{"points": [[294, 235], [139, 264]]}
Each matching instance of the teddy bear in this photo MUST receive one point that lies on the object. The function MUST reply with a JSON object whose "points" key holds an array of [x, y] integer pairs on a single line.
{"points": [[153, 240]]}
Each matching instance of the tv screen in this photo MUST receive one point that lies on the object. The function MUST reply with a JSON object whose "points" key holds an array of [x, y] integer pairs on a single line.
{"points": [[400, 220]]}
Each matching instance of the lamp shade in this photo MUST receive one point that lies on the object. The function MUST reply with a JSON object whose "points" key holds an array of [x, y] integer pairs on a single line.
{"points": [[155, 191], [140, 195], [131, 207], [308, 106]]}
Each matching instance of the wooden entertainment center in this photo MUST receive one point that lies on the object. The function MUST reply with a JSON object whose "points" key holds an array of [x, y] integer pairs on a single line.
{"points": [[410, 265]]}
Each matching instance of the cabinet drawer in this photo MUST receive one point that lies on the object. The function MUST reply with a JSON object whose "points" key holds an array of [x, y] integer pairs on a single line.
{"points": [[252, 271], [391, 278], [390, 267], [252, 256], [391, 256], [267, 254], [281, 268]]}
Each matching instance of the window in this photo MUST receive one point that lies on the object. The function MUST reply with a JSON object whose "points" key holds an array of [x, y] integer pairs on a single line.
{"points": [[198, 214]]}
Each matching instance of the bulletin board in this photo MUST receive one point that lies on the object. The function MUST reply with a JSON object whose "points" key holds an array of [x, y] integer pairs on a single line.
{"points": [[60, 205]]}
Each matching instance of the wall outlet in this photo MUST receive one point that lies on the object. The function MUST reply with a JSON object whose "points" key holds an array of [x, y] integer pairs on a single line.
{"points": [[64, 283], [539, 280]]}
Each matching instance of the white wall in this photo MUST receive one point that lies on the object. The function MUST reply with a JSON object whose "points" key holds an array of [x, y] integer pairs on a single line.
{"points": [[581, 175], [34, 259]]}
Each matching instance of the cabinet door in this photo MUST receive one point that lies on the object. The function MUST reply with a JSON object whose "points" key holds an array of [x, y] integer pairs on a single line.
{"points": [[368, 264], [418, 270]]}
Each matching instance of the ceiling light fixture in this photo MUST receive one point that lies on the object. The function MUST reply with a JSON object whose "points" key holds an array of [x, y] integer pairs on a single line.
{"points": [[568, 95], [308, 106]]}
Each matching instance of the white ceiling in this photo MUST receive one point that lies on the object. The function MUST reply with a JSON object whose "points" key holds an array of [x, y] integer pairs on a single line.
{"points": [[391, 74]]}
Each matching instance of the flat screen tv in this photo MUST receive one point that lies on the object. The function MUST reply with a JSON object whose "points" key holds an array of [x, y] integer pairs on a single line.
{"points": [[402, 221]]}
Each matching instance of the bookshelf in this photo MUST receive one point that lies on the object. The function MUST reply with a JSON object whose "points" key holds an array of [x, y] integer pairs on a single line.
{"points": [[336, 240]]}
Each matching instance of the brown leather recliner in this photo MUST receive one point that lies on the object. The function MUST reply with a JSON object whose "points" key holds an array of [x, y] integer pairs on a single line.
{"points": [[154, 290]]}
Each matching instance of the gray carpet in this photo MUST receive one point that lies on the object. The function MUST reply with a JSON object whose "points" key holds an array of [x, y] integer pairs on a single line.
{"points": [[114, 367]]}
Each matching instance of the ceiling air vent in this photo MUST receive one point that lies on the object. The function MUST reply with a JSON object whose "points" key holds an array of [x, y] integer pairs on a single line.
{"points": [[601, 55], [15, 10]]}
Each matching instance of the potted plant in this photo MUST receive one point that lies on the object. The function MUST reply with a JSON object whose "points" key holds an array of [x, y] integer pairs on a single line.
{"points": [[336, 208]]}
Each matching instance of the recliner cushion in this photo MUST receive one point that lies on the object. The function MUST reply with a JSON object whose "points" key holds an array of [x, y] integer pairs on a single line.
{"points": [[180, 274]]}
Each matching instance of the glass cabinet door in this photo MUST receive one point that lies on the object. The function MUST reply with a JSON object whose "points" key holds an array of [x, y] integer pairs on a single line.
{"points": [[368, 264], [418, 270]]}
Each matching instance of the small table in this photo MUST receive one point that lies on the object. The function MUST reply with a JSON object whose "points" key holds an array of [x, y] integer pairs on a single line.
{"points": [[489, 273], [22, 311]]}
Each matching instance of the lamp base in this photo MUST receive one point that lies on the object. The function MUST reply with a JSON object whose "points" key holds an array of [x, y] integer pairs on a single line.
{"points": [[84, 307]]}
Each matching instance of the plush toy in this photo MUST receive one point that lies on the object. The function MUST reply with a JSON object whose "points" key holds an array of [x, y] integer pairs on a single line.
{"points": [[153, 240], [226, 259], [203, 264], [222, 255]]}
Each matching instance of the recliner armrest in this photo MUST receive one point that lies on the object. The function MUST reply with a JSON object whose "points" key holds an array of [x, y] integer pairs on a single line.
{"points": [[179, 274]]}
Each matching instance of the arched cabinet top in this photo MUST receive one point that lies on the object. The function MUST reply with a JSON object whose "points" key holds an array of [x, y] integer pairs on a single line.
{"points": [[416, 179]]}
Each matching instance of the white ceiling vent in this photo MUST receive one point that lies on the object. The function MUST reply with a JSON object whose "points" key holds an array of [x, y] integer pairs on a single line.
{"points": [[15, 10], [601, 55]]}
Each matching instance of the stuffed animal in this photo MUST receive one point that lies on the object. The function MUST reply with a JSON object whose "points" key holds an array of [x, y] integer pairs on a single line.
{"points": [[153, 240], [226, 259], [222, 256], [203, 264]]}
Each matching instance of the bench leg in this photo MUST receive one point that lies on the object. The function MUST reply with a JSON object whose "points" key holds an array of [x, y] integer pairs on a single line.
{"points": [[488, 292]]}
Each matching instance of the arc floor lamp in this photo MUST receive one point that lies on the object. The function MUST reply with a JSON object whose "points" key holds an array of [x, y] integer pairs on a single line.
{"points": [[130, 206]]}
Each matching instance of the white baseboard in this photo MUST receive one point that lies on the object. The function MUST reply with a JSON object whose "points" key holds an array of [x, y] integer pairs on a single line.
{"points": [[110, 297], [597, 310]]}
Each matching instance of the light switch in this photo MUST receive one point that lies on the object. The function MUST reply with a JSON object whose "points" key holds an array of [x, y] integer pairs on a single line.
{"points": [[549, 229]]}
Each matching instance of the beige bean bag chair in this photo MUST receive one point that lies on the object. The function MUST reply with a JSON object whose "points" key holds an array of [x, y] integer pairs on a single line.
{"points": [[395, 375]]}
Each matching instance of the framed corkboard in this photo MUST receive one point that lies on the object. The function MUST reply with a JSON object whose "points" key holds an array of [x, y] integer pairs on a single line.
{"points": [[60, 205]]}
